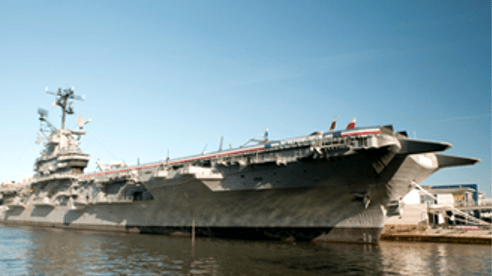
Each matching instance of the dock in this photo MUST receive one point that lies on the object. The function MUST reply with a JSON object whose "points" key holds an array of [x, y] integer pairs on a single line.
{"points": [[456, 234], [449, 214]]}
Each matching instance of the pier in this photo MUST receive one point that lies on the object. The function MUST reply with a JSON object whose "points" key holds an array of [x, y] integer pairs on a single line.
{"points": [[439, 218], [457, 234]]}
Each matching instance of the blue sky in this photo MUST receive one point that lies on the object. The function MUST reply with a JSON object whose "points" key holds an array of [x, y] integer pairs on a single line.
{"points": [[177, 75]]}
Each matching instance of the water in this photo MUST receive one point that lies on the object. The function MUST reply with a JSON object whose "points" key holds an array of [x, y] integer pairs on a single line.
{"points": [[39, 251]]}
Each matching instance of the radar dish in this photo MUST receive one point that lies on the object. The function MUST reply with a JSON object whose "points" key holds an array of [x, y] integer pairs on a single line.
{"points": [[43, 112], [80, 121]]}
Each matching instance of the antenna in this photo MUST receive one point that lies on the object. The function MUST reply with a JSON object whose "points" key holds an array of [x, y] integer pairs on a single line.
{"points": [[220, 145], [61, 101], [203, 152]]}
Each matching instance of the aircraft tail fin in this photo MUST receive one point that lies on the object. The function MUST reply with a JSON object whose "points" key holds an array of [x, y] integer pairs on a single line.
{"points": [[333, 124], [351, 124]]}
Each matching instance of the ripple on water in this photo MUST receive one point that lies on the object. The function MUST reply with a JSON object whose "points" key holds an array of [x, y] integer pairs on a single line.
{"points": [[34, 251]]}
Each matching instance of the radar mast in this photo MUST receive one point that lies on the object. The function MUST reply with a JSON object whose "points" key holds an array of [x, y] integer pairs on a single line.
{"points": [[62, 100]]}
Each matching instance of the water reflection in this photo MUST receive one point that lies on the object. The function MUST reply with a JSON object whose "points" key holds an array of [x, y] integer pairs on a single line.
{"points": [[34, 251], [14, 247], [436, 258]]}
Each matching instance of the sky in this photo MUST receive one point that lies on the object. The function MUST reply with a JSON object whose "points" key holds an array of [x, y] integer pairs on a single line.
{"points": [[175, 76]]}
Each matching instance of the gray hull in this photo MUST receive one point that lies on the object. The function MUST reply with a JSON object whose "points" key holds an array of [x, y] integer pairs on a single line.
{"points": [[252, 215], [316, 200]]}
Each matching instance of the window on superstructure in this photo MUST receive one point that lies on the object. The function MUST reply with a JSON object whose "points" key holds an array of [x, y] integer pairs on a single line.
{"points": [[137, 196]]}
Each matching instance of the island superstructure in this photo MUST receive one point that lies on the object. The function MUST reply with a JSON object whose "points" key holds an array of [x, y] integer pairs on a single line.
{"points": [[326, 186]]}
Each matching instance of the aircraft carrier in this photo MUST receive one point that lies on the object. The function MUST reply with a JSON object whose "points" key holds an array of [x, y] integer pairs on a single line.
{"points": [[335, 185]]}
